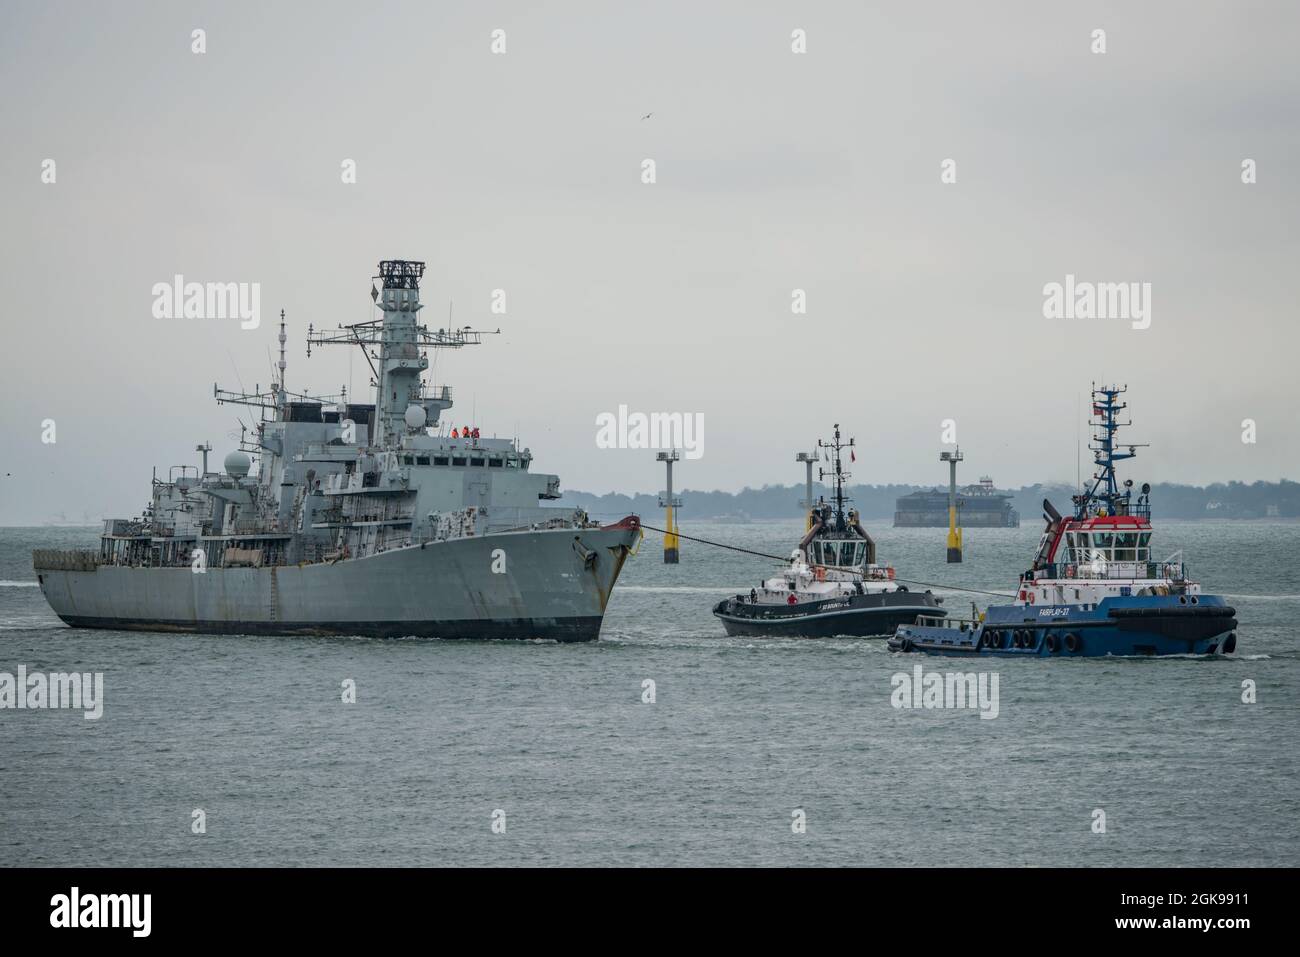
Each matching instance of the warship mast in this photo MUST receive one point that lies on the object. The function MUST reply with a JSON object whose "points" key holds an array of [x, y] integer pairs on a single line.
{"points": [[397, 342]]}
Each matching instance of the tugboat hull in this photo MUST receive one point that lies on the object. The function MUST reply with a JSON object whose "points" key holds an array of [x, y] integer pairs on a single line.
{"points": [[1140, 627], [858, 616]]}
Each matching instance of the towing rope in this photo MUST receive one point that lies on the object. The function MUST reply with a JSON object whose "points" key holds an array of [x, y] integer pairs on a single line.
{"points": [[783, 560]]}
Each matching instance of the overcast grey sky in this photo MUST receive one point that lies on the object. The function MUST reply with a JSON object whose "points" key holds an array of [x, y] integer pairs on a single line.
{"points": [[775, 171]]}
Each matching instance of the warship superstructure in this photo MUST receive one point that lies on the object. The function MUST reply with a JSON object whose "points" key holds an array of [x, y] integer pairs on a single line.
{"points": [[359, 519]]}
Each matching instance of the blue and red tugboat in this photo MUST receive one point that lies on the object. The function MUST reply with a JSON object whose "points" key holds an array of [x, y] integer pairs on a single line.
{"points": [[1095, 587]]}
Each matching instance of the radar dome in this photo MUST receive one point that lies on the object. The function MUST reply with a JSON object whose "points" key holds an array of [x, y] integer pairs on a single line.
{"points": [[415, 417], [237, 464]]}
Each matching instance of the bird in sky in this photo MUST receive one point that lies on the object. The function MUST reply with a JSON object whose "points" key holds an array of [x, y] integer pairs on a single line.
{"points": [[648, 115]]}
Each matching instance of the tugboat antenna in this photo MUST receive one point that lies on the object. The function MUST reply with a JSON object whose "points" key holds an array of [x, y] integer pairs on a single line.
{"points": [[840, 474], [1105, 493]]}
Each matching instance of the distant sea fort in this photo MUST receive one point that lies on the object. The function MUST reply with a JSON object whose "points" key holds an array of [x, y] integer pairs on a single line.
{"points": [[978, 506], [879, 503]]}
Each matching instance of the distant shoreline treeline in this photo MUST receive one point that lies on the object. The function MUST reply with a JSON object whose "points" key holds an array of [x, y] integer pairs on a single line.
{"points": [[1243, 500]]}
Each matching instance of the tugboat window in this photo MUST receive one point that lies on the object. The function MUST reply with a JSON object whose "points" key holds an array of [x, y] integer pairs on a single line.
{"points": [[1126, 547], [1101, 542]]}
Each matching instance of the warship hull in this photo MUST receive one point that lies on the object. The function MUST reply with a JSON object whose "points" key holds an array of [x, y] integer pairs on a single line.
{"points": [[553, 584]]}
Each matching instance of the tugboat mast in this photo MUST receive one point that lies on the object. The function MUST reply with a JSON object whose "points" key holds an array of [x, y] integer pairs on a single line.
{"points": [[840, 475], [1105, 496]]}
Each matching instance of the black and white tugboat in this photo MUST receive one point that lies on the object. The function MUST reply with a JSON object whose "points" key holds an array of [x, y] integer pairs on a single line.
{"points": [[833, 585]]}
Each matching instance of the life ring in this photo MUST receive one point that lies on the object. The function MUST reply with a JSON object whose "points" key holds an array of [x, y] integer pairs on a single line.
{"points": [[901, 588], [791, 600], [1030, 599], [1053, 644], [1073, 643], [1069, 571]]}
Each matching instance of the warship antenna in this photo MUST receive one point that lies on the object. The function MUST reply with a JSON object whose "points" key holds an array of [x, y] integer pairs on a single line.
{"points": [[954, 530], [670, 504], [281, 364]]}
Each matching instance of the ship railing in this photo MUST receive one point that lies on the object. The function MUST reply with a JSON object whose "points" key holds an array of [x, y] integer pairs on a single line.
{"points": [[1106, 571], [66, 560], [947, 621]]}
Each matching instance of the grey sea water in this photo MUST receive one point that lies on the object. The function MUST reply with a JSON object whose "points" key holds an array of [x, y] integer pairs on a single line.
{"points": [[742, 733]]}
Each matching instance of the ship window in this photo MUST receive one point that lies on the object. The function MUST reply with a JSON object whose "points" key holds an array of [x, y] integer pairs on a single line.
{"points": [[458, 460], [494, 463], [1101, 543], [440, 460], [476, 462], [1126, 547], [422, 460], [408, 459], [859, 553]]}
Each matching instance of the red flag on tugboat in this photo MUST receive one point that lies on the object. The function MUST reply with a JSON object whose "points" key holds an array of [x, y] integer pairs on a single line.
{"points": [[852, 456]]}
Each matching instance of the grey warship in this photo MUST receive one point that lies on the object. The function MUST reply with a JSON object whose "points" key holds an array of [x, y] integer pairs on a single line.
{"points": [[359, 519]]}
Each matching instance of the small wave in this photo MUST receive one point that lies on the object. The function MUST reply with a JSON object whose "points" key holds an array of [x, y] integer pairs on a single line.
{"points": [[1266, 597], [20, 584], [683, 589]]}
